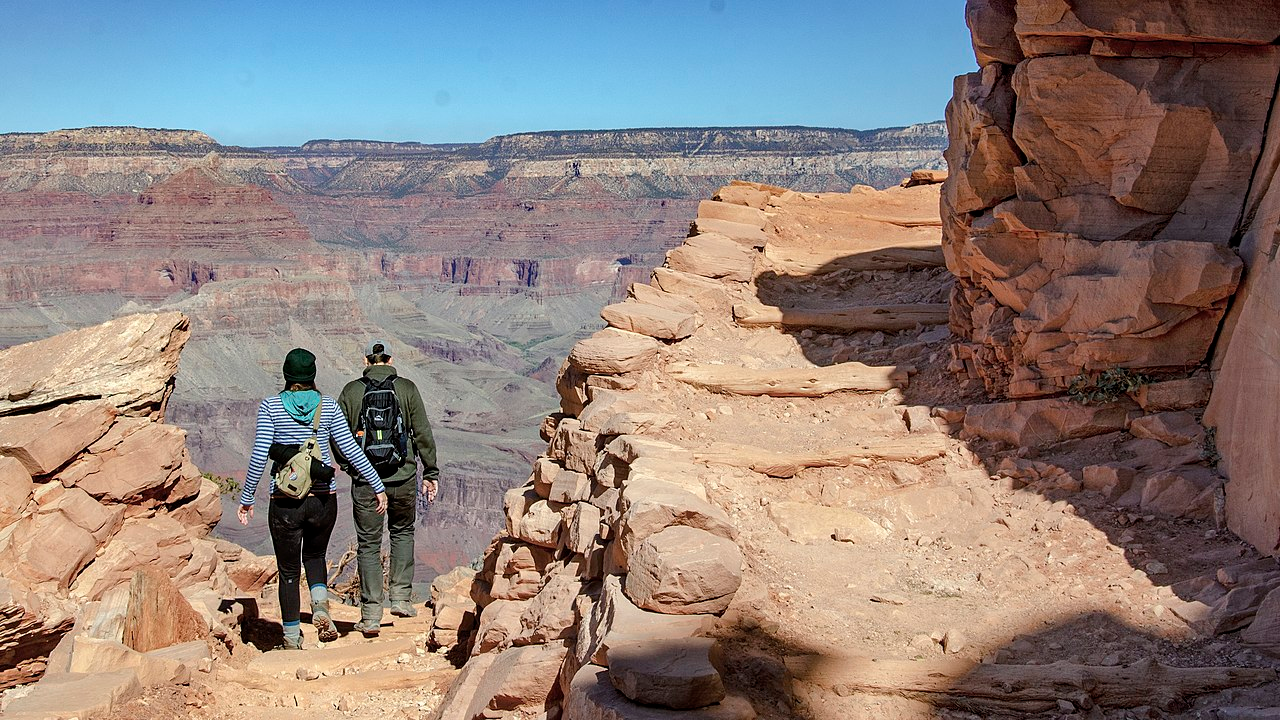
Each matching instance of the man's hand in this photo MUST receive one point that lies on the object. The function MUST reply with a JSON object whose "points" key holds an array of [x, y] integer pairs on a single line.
{"points": [[430, 488], [382, 503], [245, 513]]}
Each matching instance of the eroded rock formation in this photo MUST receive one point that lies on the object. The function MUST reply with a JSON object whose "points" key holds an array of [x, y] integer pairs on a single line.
{"points": [[94, 487]]}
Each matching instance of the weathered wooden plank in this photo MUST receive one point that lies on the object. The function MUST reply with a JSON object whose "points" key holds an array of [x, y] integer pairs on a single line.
{"points": [[784, 465], [889, 318]]}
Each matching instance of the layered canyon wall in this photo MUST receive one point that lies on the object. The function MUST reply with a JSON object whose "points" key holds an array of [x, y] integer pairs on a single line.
{"points": [[1111, 183]]}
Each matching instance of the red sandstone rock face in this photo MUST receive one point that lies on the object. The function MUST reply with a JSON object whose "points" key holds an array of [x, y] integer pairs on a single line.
{"points": [[195, 210], [1114, 129]]}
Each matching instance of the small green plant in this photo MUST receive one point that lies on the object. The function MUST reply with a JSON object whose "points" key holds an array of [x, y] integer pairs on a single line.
{"points": [[1209, 451], [226, 485], [1105, 387]]}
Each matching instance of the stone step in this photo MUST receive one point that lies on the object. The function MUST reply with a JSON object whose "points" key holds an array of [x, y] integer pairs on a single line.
{"points": [[887, 318], [791, 382], [860, 256], [330, 659]]}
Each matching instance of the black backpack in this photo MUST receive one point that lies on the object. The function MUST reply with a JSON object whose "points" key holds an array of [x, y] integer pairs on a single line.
{"points": [[381, 427]]}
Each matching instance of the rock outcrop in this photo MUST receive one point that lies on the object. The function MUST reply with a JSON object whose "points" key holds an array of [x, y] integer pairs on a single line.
{"points": [[1099, 166], [94, 489]]}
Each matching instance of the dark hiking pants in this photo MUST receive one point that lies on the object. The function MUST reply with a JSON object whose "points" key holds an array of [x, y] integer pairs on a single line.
{"points": [[300, 531]]}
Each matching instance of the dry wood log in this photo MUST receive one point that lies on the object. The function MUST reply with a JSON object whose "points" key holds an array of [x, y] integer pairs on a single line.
{"points": [[889, 318], [864, 256], [1028, 688], [901, 221], [781, 465], [790, 382]]}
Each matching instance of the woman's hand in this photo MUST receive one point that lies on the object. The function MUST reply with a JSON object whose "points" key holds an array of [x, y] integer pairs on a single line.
{"points": [[245, 513], [382, 503]]}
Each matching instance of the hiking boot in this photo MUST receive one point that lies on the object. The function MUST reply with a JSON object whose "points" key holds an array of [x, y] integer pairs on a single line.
{"points": [[322, 622], [403, 608], [369, 628], [292, 643]]}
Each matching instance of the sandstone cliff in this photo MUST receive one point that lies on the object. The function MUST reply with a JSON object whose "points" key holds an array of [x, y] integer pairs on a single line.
{"points": [[1111, 179]]}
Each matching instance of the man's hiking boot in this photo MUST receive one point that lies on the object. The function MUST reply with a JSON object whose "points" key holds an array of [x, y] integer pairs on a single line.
{"points": [[403, 608], [369, 628], [322, 622]]}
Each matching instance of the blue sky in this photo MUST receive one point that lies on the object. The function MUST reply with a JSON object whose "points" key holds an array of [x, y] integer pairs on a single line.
{"points": [[281, 73]]}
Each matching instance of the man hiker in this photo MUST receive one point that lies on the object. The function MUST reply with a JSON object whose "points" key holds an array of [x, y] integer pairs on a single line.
{"points": [[386, 414]]}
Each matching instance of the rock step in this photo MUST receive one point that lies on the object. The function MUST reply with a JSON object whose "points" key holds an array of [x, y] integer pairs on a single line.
{"points": [[917, 449], [592, 696], [732, 212], [329, 659], [888, 318], [791, 382], [860, 256], [714, 255], [652, 320], [746, 234]]}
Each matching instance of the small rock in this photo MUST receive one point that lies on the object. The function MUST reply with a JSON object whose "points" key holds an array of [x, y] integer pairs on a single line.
{"points": [[403, 658], [1066, 706], [888, 599], [345, 704], [923, 642], [304, 673], [954, 640], [724, 410], [1156, 568]]}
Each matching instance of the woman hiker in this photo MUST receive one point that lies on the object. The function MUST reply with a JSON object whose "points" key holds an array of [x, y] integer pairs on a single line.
{"points": [[300, 528]]}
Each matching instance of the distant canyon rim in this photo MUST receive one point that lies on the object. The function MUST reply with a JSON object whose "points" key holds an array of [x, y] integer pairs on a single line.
{"points": [[482, 263]]}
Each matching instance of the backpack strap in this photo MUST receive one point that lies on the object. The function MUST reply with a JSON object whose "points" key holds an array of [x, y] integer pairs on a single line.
{"points": [[315, 422]]}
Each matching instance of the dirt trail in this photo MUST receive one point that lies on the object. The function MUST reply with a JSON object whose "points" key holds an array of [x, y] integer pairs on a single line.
{"points": [[938, 557]]}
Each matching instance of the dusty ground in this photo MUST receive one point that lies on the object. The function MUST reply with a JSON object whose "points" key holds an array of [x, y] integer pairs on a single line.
{"points": [[1004, 574]]}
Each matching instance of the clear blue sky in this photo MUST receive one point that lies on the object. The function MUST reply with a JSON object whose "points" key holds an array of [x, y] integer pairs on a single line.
{"points": [[267, 72]]}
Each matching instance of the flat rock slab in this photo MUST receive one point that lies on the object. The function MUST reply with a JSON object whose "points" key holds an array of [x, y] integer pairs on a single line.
{"points": [[807, 524], [1036, 423], [651, 320], [790, 382], [681, 674], [329, 659], [76, 695], [887, 318], [592, 696], [655, 296], [127, 362], [746, 234], [916, 449], [713, 256], [613, 352], [860, 257], [716, 210]]}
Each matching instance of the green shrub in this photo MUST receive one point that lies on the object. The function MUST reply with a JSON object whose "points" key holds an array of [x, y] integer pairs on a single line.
{"points": [[226, 485], [1106, 387]]}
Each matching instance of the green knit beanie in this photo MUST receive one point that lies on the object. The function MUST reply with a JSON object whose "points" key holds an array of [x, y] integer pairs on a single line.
{"points": [[299, 366]]}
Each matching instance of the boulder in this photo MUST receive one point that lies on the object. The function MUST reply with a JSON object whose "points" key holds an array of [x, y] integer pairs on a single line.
{"points": [[629, 448], [138, 463], [592, 696], [649, 506], [991, 28], [1264, 632], [1185, 492], [570, 487], [550, 615], [615, 619], [128, 362], [100, 521], [499, 625], [651, 320], [202, 512], [637, 423], [15, 490], [713, 256], [981, 154], [1170, 428], [743, 195], [808, 524], [1037, 423], [158, 615], [77, 695], [678, 673], [250, 573], [683, 474], [545, 471], [613, 352], [159, 542], [684, 571], [1107, 478], [45, 441], [517, 679], [45, 548], [653, 296], [687, 284], [581, 527]]}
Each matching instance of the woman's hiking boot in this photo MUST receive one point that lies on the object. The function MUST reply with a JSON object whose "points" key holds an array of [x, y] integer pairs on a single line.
{"points": [[291, 643], [325, 629], [403, 608]]}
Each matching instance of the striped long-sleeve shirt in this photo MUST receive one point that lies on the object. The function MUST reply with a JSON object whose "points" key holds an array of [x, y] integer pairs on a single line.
{"points": [[276, 425]]}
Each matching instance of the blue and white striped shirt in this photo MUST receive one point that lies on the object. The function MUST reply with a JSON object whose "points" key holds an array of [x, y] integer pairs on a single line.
{"points": [[275, 424]]}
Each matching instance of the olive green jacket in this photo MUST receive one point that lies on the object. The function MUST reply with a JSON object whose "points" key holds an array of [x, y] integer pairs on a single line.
{"points": [[422, 444]]}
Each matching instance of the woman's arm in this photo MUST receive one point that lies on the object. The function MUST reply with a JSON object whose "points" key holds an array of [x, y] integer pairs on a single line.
{"points": [[350, 449], [263, 434]]}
